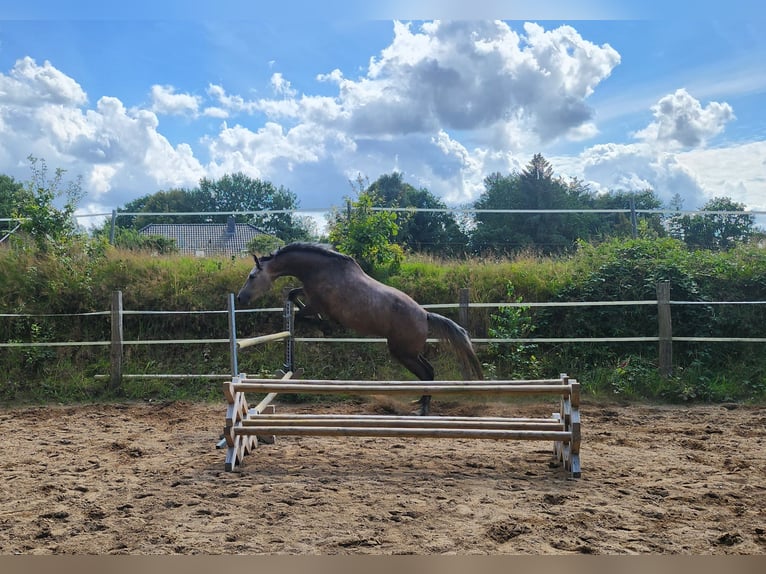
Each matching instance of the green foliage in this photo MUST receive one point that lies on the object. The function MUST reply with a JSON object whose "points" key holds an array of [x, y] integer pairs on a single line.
{"points": [[11, 192], [50, 227], [534, 188], [238, 192], [132, 240], [264, 244], [717, 230], [419, 231], [619, 224], [367, 235], [231, 193], [514, 359]]}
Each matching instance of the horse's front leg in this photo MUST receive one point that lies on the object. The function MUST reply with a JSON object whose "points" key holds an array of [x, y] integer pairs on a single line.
{"points": [[305, 310]]}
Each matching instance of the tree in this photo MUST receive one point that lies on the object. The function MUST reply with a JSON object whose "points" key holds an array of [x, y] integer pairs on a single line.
{"points": [[10, 196], [239, 192], [367, 235], [230, 193], [177, 200], [619, 224], [718, 230], [419, 231], [50, 227], [499, 232], [534, 188], [674, 223]]}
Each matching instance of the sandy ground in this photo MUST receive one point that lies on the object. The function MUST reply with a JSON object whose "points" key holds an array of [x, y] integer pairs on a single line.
{"points": [[147, 479]]}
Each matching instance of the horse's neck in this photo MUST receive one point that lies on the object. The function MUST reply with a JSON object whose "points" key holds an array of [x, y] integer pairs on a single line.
{"points": [[295, 264]]}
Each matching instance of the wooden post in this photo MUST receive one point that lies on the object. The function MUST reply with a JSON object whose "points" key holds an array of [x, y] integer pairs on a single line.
{"points": [[665, 329], [463, 309], [115, 355]]}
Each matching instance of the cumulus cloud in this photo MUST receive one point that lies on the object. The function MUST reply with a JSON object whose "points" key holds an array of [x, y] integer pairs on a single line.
{"points": [[640, 166], [118, 151], [680, 120], [475, 75], [653, 162], [746, 183], [281, 86], [231, 104], [30, 85], [165, 100]]}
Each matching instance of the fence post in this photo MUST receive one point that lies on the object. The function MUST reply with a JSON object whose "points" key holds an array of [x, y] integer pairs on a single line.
{"points": [[115, 355], [463, 297], [633, 218], [665, 329], [112, 226]]}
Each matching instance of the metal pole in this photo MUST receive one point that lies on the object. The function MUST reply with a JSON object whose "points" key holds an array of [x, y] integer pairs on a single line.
{"points": [[633, 218], [233, 337], [289, 325], [111, 229]]}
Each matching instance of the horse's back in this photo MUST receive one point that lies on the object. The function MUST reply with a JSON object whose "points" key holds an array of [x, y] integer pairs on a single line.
{"points": [[359, 302]]}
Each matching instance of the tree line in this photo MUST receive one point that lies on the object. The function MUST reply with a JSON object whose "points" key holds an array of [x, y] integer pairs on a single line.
{"points": [[45, 207]]}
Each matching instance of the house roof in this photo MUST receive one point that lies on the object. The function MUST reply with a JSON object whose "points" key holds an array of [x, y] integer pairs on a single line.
{"points": [[206, 238]]}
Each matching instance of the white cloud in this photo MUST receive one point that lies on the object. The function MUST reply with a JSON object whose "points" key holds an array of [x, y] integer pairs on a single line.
{"points": [[166, 101], [29, 85], [473, 76], [281, 86], [232, 104], [656, 162], [680, 120], [744, 183], [257, 153], [119, 152], [635, 167]]}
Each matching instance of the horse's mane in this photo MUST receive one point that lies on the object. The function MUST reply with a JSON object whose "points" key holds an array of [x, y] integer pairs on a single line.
{"points": [[311, 247]]}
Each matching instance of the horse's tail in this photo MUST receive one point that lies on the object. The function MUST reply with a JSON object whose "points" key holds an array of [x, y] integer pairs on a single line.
{"points": [[446, 329]]}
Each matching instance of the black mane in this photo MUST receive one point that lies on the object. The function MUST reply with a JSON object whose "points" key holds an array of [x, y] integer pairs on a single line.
{"points": [[312, 247]]}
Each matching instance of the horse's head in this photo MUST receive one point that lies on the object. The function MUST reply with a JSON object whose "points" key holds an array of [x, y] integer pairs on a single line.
{"points": [[258, 282]]}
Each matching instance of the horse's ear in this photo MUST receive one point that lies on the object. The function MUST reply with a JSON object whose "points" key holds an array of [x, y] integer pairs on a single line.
{"points": [[257, 263]]}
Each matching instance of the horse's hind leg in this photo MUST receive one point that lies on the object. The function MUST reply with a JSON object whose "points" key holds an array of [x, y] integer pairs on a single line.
{"points": [[419, 366], [425, 400]]}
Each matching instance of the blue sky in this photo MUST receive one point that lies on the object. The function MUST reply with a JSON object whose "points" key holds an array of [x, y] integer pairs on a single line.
{"points": [[136, 98]]}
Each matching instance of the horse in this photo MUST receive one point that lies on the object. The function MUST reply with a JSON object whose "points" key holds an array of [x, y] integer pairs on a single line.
{"points": [[335, 286]]}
